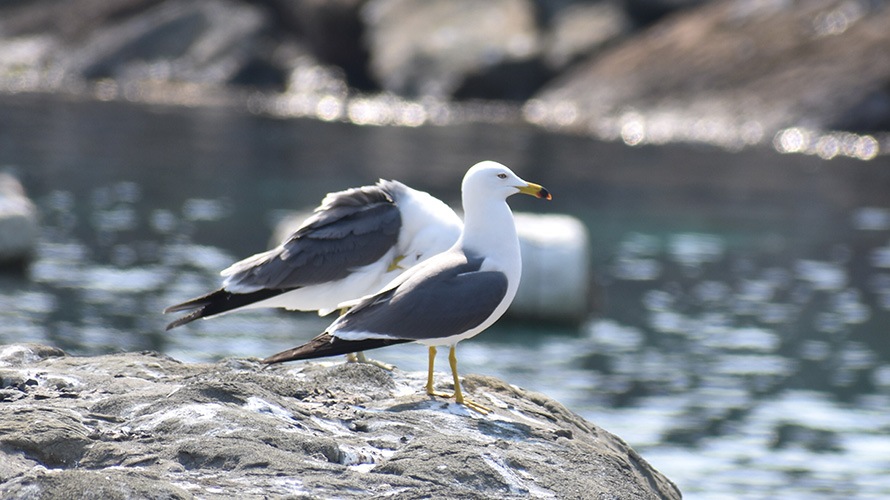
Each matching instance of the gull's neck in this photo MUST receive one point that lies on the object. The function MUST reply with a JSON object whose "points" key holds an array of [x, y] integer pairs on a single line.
{"points": [[489, 230]]}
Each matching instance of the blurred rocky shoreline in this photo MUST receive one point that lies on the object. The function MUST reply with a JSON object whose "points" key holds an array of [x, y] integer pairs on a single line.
{"points": [[734, 73]]}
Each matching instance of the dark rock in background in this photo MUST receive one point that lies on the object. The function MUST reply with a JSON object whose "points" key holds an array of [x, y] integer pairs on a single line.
{"points": [[430, 48], [580, 29], [648, 11], [69, 20], [731, 71], [54, 45], [207, 42], [728, 72], [145, 425], [332, 31]]}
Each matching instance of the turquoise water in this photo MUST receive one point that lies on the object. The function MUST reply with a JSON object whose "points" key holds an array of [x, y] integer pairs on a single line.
{"points": [[738, 335]]}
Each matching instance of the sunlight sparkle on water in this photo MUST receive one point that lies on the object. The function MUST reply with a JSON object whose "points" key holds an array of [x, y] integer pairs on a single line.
{"points": [[826, 146]]}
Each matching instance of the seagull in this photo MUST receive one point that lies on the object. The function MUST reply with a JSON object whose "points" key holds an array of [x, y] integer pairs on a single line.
{"points": [[450, 297], [353, 244]]}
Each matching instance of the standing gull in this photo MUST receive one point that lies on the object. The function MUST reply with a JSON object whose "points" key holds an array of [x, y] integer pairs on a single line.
{"points": [[448, 298], [354, 243]]}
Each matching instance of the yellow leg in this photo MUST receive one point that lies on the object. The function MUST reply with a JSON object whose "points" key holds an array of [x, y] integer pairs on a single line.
{"points": [[429, 377], [360, 358], [458, 394]]}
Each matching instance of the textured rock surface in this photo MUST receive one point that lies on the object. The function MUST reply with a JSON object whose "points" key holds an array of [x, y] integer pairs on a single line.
{"points": [[142, 425]]}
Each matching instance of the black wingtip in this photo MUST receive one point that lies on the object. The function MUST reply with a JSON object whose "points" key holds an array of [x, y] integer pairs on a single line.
{"points": [[197, 302], [177, 307], [218, 302], [315, 348], [185, 319], [327, 345], [199, 305]]}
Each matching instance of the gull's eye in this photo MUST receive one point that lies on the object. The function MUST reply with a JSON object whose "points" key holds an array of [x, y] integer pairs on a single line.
{"points": [[502, 175]]}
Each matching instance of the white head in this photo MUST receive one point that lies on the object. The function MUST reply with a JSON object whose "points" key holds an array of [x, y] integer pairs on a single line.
{"points": [[491, 180]]}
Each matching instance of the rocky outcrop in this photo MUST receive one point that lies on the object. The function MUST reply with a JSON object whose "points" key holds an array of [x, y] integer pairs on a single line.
{"points": [[143, 425], [733, 73]]}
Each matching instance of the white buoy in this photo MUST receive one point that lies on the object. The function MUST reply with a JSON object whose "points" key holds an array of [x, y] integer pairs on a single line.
{"points": [[555, 284], [18, 223]]}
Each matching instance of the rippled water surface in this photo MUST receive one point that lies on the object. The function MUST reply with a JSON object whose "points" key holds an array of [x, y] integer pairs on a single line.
{"points": [[738, 336]]}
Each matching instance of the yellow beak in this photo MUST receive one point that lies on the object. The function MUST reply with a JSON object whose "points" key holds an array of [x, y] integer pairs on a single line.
{"points": [[535, 190]]}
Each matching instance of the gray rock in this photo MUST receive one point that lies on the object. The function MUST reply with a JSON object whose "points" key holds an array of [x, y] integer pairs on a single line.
{"points": [[143, 425], [18, 223], [647, 11], [208, 42], [733, 73], [70, 19], [581, 29], [333, 31], [433, 48], [180, 41]]}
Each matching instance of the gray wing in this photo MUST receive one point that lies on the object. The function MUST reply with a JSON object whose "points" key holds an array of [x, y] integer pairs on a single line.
{"points": [[448, 295], [350, 229]]}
